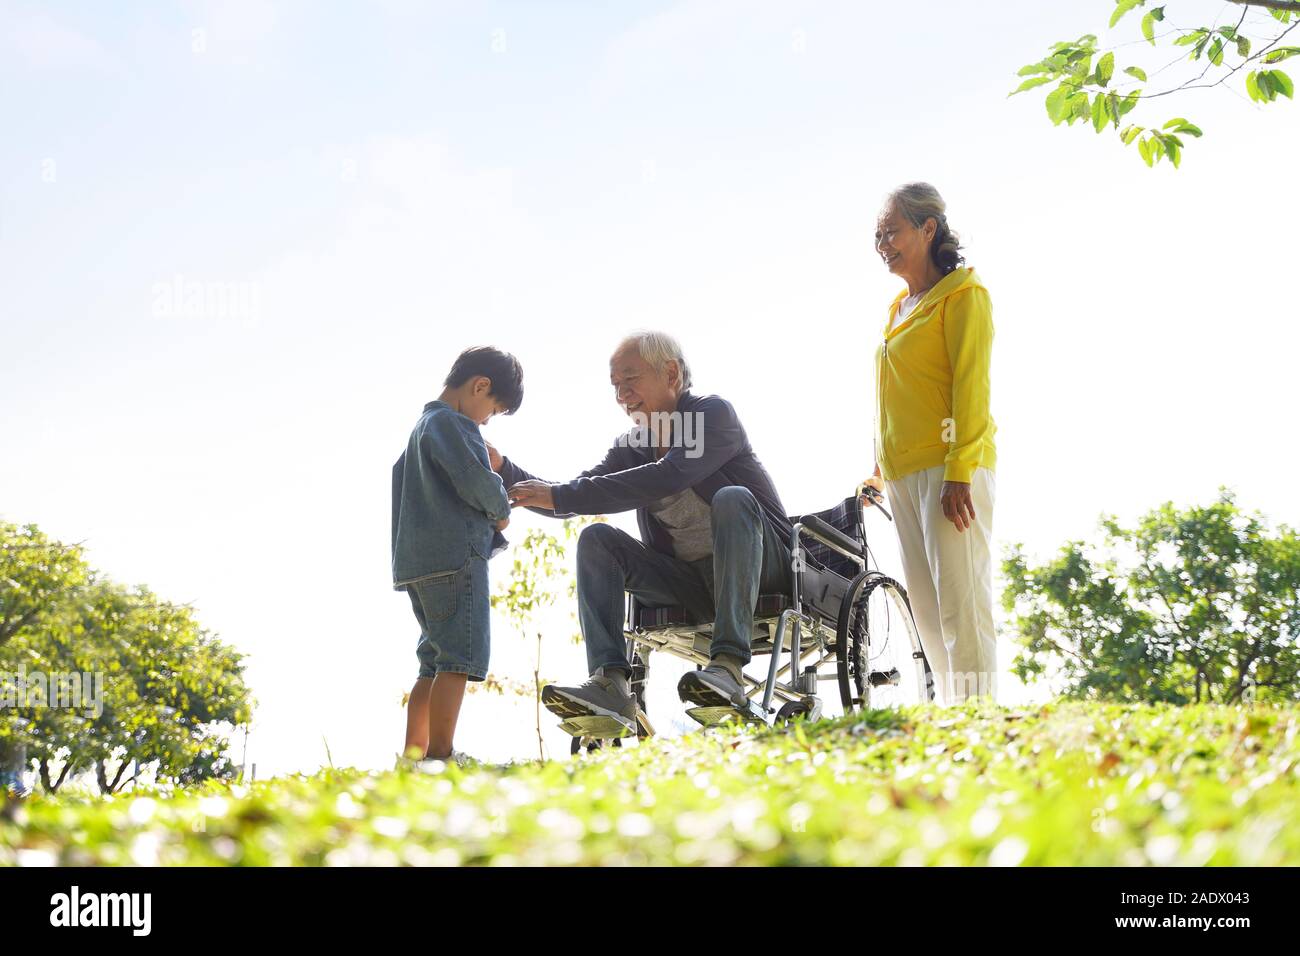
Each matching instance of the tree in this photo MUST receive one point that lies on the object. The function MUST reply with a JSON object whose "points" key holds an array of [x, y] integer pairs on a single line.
{"points": [[1192, 605], [539, 578], [147, 686], [1089, 89], [34, 571]]}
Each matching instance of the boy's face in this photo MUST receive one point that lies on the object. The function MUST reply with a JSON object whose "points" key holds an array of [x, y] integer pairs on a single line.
{"points": [[479, 403]]}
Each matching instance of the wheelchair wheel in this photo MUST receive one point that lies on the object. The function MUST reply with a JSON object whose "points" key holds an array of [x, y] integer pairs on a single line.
{"points": [[878, 652]]}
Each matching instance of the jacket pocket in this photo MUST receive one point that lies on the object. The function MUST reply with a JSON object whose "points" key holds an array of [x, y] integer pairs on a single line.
{"points": [[439, 595], [480, 539]]}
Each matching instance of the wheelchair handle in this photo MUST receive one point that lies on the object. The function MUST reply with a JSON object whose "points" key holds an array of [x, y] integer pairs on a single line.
{"points": [[875, 497]]}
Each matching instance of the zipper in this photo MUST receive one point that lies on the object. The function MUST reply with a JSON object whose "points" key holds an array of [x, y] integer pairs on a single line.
{"points": [[880, 395]]}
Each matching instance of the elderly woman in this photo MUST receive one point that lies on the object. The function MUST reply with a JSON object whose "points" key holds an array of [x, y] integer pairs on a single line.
{"points": [[934, 439]]}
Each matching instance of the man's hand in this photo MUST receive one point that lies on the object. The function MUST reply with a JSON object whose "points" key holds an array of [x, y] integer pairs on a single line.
{"points": [[503, 524], [494, 457], [531, 494], [957, 504]]}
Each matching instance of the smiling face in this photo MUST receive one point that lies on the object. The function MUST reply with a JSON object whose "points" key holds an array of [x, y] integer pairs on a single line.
{"points": [[638, 387], [903, 247]]}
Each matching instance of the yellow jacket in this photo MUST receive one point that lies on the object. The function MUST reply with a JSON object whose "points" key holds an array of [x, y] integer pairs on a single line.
{"points": [[932, 383]]}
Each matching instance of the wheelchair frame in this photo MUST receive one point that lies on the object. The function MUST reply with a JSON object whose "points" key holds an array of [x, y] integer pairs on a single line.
{"points": [[809, 627]]}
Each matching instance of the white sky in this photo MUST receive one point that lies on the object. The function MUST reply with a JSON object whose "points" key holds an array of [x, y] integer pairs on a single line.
{"points": [[397, 184]]}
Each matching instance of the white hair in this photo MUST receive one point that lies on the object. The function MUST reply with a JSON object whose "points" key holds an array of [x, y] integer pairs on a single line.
{"points": [[659, 348]]}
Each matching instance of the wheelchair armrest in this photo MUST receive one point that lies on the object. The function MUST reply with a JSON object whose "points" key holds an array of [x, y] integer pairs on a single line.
{"points": [[832, 536]]}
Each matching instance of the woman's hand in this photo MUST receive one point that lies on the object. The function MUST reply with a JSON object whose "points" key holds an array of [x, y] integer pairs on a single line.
{"points": [[531, 494], [494, 457], [957, 504], [876, 482]]}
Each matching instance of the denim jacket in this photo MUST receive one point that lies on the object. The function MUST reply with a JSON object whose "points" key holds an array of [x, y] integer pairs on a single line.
{"points": [[630, 477], [446, 500]]}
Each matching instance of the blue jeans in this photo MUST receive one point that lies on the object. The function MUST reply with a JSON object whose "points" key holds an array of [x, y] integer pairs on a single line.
{"points": [[748, 559], [453, 611]]}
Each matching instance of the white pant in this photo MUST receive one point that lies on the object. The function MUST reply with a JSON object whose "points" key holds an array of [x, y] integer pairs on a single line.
{"points": [[949, 579]]}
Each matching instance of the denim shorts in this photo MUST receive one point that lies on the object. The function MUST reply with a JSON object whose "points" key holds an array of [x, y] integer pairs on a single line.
{"points": [[452, 609]]}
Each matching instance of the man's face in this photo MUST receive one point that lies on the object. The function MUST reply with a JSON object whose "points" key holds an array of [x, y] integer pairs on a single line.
{"points": [[638, 387]]}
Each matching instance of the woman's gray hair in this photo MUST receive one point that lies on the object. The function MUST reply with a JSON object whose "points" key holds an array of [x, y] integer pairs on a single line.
{"points": [[918, 202], [659, 348]]}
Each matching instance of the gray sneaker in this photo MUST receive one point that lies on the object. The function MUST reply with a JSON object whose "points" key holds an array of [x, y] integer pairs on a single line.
{"points": [[712, 687], [599, 697]]}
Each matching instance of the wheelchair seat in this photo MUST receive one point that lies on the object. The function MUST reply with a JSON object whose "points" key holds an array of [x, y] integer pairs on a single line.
{"points": [[648, 618], [824, 581]]}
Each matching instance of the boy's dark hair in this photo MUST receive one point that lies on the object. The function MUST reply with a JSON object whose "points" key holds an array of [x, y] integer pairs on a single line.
{"points": [[502, 368]]}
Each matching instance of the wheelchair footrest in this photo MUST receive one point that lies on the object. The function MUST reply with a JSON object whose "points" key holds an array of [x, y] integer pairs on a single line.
{"points": [[604, 728], [712, 716]]}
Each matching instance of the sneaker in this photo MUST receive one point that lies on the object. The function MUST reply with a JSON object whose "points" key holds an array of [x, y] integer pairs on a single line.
{"points": [[438, 764], [600, 698], [712, 687]]}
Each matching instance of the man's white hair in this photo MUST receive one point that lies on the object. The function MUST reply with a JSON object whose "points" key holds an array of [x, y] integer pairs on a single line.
{"points": [[659, 348]]}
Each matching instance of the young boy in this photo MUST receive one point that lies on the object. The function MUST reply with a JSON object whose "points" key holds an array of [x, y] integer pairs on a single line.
{"points": [[449, 509]]}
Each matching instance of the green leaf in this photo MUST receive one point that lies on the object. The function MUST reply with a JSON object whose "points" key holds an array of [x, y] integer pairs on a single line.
{"points": [[1280, 54], [1252, 86], [1030, 83], [1266, 92], [1100, 112], [1144, 149], [1282, 83], [1216, 52], [1136, 72], [1148, 27], [1180, 125], [1129, 101], [1122, 7], [1243, 47], [1130, 133], [1057, 105], [1079, 107], [1105, 68]]}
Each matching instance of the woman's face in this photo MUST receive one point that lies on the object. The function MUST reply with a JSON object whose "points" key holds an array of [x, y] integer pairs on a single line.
{"points": [[902, 246]]}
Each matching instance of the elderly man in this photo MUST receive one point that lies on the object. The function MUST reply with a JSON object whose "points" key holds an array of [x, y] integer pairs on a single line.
{"points": [[713, 531]]}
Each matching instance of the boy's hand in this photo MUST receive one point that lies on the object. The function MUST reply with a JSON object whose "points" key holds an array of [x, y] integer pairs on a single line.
{"points": [[531, 494], [503, 524], [494, 457]]}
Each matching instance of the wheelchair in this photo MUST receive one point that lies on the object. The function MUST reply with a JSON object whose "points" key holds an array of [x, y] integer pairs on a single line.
{"points": [[842, 625]]}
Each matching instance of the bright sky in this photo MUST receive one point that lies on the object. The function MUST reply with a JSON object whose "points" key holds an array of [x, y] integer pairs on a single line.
{"points": [[386, 187]]}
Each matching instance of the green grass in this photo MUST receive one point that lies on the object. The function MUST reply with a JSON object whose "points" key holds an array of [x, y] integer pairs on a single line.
{"points": [[1070, 783]]}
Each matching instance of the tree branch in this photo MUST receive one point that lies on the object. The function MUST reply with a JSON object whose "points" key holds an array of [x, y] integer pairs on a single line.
{"points": [[1194, 85], [1270, 4]]}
